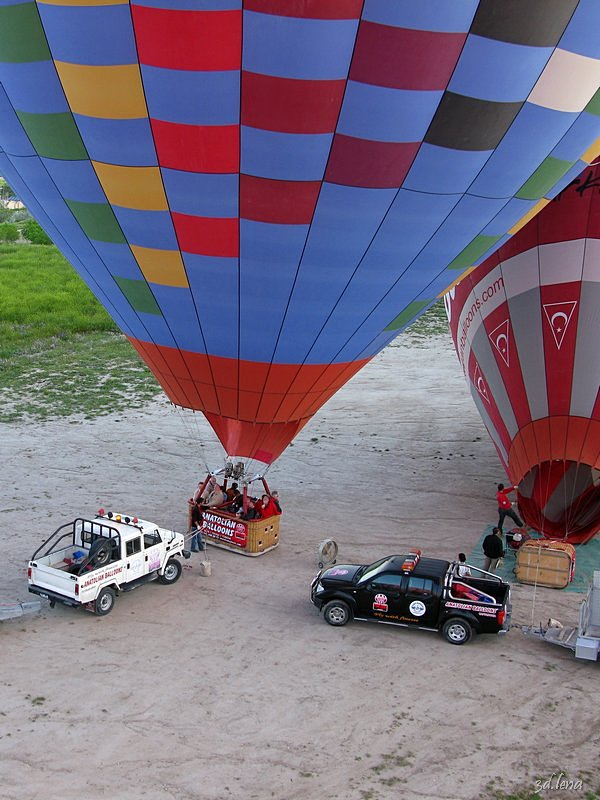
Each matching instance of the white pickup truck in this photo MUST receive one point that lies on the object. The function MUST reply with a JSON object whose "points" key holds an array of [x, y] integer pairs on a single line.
{"points": [[88, 562]]}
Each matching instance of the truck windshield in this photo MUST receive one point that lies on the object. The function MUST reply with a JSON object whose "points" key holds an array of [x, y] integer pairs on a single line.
{"points": [[369, 572], [150, 539]]}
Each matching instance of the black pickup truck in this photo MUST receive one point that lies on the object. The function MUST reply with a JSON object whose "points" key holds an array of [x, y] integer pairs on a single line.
{"points": [[410, 591]]}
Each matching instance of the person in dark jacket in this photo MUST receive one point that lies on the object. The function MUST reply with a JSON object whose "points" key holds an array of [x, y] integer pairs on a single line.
{"points": [[251, 512], [234, 506], [197, 542], [493, 549]]}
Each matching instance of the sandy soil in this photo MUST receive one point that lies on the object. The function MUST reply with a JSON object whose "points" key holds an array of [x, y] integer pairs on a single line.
{"points": [[232, 686]]}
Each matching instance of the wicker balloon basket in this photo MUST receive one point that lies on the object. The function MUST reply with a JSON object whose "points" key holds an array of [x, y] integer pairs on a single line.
{"points": [[546, 563], [248, 538]]}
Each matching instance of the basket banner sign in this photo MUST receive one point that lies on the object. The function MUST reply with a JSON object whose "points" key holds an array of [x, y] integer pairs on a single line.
{"points": [[225, 529]]}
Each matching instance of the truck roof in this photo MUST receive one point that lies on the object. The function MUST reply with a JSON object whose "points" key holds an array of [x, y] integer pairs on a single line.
{"points": [[126, 530], [425, 567]]}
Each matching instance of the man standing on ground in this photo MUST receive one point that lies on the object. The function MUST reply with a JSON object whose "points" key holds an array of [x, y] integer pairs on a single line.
{"points": [[493, 549], [505, 507]]}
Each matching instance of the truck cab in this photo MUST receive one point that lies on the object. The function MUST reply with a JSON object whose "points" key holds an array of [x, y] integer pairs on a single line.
{"points": [[387, 592]]}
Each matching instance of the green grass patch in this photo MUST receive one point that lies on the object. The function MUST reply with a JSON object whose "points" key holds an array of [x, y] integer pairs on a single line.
{"points": [[42, 297], [61, 355], [432, 323], [83, 376]]}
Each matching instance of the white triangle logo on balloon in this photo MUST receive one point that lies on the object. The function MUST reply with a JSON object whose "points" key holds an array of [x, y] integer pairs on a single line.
{"points": [[499, 338], [480, 384], [558, 316]]}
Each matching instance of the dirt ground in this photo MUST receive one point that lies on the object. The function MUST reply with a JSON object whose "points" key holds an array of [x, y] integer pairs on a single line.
{"points": [[232, 686]]}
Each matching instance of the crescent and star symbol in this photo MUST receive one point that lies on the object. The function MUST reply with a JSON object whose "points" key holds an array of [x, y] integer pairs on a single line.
{"points": [[499, 338], [559, 316], [480, 383]]}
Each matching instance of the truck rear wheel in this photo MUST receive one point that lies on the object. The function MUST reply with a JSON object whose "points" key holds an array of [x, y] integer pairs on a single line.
{"points": [[105, 602], [172, 571], [457, 631], [337, 613]]}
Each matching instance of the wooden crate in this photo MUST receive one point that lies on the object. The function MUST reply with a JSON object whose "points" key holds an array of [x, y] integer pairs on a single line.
{"points": [[545, 563]]}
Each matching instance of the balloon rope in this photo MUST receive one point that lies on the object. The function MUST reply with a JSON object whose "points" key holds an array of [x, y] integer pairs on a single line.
{"points": [[537, 572], [191, 426]]}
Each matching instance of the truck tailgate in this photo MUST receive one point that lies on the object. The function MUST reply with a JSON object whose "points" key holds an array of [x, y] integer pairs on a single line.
{"points": [[52, 579]]}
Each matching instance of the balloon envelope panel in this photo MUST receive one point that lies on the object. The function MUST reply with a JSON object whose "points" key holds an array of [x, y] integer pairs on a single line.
{"points": [[263, 194], [526, 325]]}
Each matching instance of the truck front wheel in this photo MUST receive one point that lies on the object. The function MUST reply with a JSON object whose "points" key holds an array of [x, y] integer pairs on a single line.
{"points": [[172, 571], [457, 631], [105, 602], [337, 613]]}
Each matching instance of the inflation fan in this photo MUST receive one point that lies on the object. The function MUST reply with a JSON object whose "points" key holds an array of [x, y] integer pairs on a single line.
{"points": [[328, 551]]}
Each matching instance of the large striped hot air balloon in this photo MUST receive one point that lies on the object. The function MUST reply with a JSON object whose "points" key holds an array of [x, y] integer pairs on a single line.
{"points": [[526, 325], [264, 193]]}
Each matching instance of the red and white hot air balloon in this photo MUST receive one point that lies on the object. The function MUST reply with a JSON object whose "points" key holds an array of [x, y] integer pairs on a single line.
{"points": [[526, 326]]}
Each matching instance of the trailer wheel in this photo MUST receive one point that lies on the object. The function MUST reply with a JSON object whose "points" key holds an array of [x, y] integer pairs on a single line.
{"points": [[457, 631], [337, 613], [172, 572], [105, 602]]}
